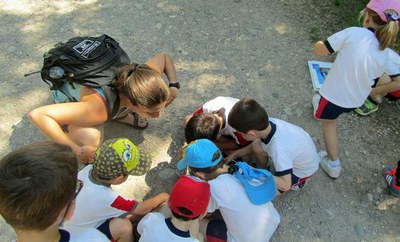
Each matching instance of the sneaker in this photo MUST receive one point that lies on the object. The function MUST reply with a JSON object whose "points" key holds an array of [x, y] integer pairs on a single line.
{"points": [[315, 103], [390, 175], [299, 185], [326, 165], [367, 108]]}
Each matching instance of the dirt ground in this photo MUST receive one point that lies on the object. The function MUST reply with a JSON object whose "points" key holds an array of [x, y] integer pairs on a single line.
{"points": [[255, 48]]}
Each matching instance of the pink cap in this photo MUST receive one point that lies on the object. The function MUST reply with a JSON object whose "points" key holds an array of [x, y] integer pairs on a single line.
{"points": [[379, 6]]}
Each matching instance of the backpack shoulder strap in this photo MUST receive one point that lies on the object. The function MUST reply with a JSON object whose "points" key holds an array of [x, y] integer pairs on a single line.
{"points": [[112, 100]]}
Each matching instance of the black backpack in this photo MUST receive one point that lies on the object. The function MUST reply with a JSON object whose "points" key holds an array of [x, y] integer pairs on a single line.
{"points": [[88, 61]]}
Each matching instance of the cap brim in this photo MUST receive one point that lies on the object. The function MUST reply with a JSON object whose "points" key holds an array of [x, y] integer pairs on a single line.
{"points": [[181, 165], [257, 194]]}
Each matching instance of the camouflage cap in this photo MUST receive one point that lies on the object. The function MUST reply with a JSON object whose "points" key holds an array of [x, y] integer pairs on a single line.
{"points": [[116, 157]]}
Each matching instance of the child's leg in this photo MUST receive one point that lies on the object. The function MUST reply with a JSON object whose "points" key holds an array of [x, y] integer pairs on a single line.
{"points": [[121, 229], [385, 85], [330, 137], [90, 136]]}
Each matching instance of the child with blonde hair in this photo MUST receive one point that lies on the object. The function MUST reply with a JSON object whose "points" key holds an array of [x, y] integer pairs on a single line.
{"points": [[362, 56]]}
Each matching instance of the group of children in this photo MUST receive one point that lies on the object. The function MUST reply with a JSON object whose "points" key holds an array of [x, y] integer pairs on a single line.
{"points": [[231, 146]]}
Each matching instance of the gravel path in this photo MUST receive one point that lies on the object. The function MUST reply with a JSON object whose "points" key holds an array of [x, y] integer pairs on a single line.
{"points": [[256, 48]]}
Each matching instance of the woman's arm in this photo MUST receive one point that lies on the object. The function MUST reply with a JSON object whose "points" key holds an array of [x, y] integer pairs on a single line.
{"points": [[90, 111], [163, 64]]}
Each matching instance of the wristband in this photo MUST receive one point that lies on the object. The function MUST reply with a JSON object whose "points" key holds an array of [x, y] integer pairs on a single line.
{"points": [[176, 85]]}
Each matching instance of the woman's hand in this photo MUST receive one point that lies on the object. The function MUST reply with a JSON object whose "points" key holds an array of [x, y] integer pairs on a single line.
{"points": [[173, 93]]}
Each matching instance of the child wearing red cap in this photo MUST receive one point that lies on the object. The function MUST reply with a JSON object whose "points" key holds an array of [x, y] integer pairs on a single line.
{"points": [[363, 54], [188, 203]]}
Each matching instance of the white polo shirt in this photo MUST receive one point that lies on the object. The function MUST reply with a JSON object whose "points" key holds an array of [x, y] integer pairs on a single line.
{"points": [[97, 202], [358, 62], [244, 220], [291, 148]]}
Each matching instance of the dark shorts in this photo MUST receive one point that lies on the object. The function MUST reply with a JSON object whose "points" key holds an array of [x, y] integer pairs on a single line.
{"points": [[105, 229], [328, 110], [216, 231], [298, 183]]}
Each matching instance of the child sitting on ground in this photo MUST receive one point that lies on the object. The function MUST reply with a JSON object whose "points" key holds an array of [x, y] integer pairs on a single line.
{"points": [[290, 148], [245, 220], [386, 86], [392, 176], [227, 139], [38, 187], [98, 205], [363, 55], [188, 203]]}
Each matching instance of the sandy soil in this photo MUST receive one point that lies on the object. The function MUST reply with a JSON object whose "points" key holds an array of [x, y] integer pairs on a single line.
{"points": [[237, 48]]}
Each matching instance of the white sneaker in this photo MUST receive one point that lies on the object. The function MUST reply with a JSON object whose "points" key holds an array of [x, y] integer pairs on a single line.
{"points": [[315, 103], [325, 163]]}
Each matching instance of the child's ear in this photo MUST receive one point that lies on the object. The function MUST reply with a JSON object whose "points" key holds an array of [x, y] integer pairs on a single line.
{"points": [[221, 112], [251, 132]]}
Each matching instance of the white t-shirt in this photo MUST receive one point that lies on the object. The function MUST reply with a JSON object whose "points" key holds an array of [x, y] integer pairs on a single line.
{"points": [[97, 202], [358, 62], [290, 147], [244, 220], [155, 227], [227, 103], [82, 235]]}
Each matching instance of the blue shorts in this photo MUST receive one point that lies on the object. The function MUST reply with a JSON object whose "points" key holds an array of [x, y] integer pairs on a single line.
{"points": [[328, 110]]}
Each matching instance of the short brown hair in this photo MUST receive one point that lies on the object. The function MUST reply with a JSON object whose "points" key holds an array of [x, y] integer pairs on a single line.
{"points": [[142, 85], [202, 126], [37, 182], [248, 115]]}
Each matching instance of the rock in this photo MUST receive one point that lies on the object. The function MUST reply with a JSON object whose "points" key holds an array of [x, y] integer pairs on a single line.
{"points": [[359, 228], [370, 197], [200, 91], [329, 214]]}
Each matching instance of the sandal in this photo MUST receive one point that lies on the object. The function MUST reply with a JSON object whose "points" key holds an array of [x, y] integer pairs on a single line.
{"points": [[138, 121]]}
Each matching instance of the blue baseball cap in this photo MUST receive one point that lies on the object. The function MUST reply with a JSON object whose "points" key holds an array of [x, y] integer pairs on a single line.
{"points": [[258, 183], [201, 153]]}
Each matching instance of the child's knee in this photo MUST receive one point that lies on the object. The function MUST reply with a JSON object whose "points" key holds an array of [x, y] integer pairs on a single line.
{"points": [[121, 228]]}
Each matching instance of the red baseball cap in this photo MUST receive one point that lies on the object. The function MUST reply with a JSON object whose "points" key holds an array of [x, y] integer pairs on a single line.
{"points": [[190, 194]]}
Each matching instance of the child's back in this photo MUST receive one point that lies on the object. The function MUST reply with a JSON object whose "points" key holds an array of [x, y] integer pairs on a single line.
{"points": [[244, 220], [292, 148], [359, 61]]}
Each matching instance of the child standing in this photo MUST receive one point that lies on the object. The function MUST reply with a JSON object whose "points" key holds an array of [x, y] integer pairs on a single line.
{"points": [[290, 148], [245, 221], [363, 55], [188, 203], [38, 187], [98, 205]]}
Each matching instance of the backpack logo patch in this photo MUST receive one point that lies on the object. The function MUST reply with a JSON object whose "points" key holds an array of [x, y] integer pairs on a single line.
{"points": [[85, 47]]}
